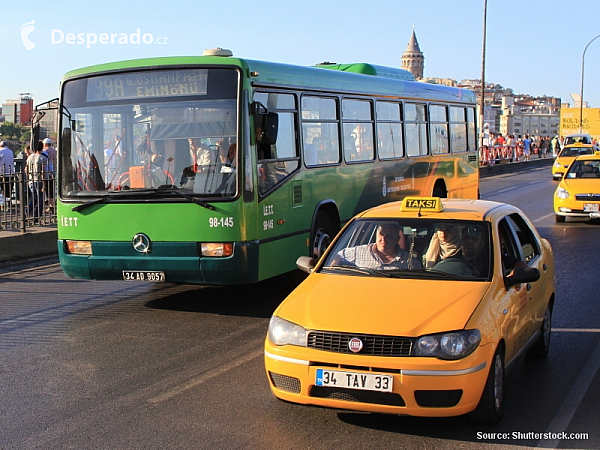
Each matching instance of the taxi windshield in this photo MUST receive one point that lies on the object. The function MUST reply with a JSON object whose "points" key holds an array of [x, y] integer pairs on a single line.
{"points": [[584, 169], [576, 151], [413, 248]]}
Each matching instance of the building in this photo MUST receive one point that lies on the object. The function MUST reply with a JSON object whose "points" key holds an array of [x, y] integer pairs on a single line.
{"points": [[412, 58], [508, 113], [19, 112], [523, 115]]}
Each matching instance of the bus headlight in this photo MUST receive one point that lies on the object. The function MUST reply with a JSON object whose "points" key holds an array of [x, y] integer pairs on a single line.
{"points": [[216, 249], [79, 247], [452, 345], [283, 332]]}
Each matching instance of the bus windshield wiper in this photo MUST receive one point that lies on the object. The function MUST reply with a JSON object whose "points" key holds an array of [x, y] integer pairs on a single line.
{"points": [[174, 190], [103, 199], [133, 193]]}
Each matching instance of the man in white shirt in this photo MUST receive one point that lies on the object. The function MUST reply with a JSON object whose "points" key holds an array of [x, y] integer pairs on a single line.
{"points": [[7, 170]]}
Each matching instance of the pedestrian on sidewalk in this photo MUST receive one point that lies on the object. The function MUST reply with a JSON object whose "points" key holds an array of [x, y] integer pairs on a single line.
{"points": [[526, 148], [36, 170], [7, 170]]}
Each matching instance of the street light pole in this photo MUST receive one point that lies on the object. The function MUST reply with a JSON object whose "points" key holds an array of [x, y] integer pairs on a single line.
{"points": [[482, 100], [581, 96]]}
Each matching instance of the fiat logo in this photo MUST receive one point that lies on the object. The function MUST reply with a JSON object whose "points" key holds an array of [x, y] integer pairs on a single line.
{"points": [[355, 345], [141, 243]]}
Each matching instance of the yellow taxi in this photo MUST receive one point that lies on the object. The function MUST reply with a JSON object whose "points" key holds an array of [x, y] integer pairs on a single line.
{"points": [[416, 308], [578, 193], [566, 157]]}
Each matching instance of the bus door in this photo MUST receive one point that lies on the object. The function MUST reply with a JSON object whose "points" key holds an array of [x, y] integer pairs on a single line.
{"points": [[280, 214]]}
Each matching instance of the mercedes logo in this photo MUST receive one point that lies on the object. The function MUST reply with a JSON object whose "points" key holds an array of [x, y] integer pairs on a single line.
{"points": [[141, 243]]}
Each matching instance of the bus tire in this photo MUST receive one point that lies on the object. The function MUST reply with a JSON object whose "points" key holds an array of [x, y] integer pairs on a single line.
{"points": [[323, 234]]}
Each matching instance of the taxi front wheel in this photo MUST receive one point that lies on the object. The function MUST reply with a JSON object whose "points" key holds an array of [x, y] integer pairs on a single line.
{"points": [[491, 405], [542, 345], [559, 219]]}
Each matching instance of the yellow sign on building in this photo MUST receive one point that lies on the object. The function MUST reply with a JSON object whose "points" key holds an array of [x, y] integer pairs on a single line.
{"points": [[569, 121]]}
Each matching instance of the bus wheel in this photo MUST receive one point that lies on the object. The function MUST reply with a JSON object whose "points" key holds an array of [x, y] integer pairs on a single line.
{"points": [[324, 233]]}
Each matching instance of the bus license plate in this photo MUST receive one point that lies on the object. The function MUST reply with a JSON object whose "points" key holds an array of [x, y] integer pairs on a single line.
{"points": [[590, 207], [143, 275], [354, 380]]}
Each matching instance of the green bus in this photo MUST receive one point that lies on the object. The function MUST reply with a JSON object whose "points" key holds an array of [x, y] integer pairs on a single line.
{"points": [[218, 170]]}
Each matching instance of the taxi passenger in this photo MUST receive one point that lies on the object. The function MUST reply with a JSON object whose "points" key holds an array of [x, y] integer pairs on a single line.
{"points": [[472, 247], [445, 243], [385, 253]]}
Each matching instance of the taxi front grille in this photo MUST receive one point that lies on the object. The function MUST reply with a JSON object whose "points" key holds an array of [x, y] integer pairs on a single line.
{"points": [[373, 345], [588, 197]]}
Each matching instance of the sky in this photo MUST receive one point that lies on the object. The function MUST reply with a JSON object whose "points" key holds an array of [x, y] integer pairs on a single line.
{"points": [[533, 47]]}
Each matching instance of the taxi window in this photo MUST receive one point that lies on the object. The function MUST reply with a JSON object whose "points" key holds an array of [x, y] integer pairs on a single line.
{"points": [[584, 169], [527, 241], [415, 248], [509, 248]]}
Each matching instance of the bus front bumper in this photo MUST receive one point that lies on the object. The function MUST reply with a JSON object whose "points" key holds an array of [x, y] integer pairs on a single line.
{"points": [[179, 262]]}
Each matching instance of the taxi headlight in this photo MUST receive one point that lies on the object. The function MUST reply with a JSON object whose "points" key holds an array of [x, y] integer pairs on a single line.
{"points": [[283, 332], [452, 345], [562, 193], [557, 164]]}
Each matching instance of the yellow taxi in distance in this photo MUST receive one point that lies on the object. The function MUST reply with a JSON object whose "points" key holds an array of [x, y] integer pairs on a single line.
{"points": [[578, 193], [566, 157], [416, 308]]}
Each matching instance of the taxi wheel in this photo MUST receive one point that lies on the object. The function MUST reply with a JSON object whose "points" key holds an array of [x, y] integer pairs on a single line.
{"points": [[491, 405], [541, 346], [559, 219]]}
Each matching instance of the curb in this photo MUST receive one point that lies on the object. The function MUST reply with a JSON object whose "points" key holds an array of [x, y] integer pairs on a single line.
{"points": [[37, 242], [507, 167]]}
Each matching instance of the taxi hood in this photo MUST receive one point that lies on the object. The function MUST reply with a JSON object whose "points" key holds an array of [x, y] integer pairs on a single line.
{"points": [[580, 185], [375, 305]]}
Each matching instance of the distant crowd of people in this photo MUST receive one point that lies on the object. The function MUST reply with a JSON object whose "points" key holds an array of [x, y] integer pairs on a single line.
{"points": [[513, 148], [39, 167]]}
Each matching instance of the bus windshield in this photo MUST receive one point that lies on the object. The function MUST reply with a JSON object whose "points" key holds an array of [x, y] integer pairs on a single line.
{"points": [[150, 131]]}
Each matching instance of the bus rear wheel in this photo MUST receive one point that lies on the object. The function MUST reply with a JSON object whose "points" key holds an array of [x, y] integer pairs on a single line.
{"points": [[324, 233]]}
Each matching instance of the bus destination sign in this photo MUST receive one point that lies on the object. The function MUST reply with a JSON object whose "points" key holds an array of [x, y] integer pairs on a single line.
{"points": [[140, 85]]}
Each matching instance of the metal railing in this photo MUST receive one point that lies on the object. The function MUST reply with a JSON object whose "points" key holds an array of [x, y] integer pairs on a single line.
{"points": [[27, 200]]}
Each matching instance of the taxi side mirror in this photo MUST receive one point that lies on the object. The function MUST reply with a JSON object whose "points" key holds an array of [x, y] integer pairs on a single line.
{"points": [[306, 263], [522, 275]]}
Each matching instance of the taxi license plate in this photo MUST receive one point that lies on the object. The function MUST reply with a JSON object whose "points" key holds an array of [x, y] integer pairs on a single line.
{"points": [[143, 275], [591, 207], [354, 380]]}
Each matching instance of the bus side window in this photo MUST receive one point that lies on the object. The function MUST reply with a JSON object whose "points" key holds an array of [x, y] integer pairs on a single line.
{"points": [[277, 153]]}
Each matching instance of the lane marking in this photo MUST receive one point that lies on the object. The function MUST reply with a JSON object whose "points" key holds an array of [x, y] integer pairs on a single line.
{"points": [[567, 410], [207, 376], [577, 330], [541, 219]]}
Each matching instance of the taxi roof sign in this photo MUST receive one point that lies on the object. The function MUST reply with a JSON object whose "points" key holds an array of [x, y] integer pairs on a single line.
{"points": [[431, 204]]}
